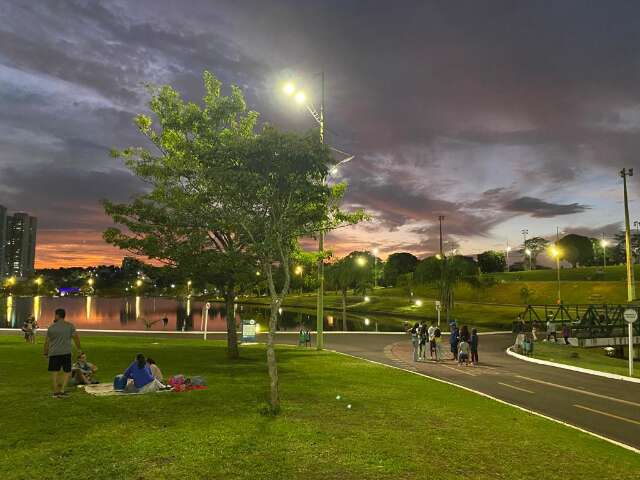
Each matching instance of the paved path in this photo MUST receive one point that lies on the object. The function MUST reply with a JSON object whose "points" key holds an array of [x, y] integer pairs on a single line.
{"points": [[610, 408]]}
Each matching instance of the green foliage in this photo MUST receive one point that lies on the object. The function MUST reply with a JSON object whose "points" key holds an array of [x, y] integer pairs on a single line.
{"points": [[398, 264], [536, 245], [491, 261], [576, 249]]}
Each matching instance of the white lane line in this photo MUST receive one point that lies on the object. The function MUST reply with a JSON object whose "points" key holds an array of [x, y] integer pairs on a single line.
{"points": [[635, 422], [577, 390], [504, 402], [515, 388], [457, 369]]}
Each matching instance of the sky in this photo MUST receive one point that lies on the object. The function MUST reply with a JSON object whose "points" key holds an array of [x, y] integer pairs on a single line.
{"points": [[499, 115]]}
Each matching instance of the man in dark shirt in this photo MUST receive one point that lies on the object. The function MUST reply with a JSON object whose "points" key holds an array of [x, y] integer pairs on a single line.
{"points": [[57, 347]]}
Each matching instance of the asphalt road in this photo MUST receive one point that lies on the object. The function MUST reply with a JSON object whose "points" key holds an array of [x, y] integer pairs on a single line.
{"points": [[610, 408]]}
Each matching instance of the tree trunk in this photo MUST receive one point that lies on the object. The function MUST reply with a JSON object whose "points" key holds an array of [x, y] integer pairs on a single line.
{"points": [[272, 365], [232, 331], [344, 309]]}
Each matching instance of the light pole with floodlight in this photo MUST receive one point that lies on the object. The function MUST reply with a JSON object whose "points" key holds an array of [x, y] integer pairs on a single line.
{"points": [[603, 244], [631, 287], [555, 252]]}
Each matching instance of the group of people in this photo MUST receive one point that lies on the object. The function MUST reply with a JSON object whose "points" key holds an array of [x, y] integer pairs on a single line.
{"points": [[463, 345], [29, 329], [525, 337], [142, 376]]}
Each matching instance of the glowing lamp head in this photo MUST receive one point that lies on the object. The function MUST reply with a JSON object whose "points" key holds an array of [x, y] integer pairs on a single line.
{"points": [[376, 251], [173, 285], [289, 88], [438, 256], [555, 253], [527, 252], [258, 273], [366, 299], [367, 322], [418, 303], [361, 261], [508, 249], [603, 243], [298, 270], [138, 283], [189, 283], [300, 98], [11, 281], [38, 281], [333, 170], [90, 282]]}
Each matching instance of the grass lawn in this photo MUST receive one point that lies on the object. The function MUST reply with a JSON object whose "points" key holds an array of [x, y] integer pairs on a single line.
{"points": [[592, 358], [401, 426]]}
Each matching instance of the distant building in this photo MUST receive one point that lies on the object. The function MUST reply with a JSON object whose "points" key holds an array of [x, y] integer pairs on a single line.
{"points": [[17, 243], [3, 241]]}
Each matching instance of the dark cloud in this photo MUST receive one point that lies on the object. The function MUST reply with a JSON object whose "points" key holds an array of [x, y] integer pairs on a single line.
{"points": [[538, 208]]}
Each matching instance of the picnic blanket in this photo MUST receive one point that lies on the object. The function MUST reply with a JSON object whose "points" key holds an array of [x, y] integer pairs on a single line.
{"points": [[106, 390]]}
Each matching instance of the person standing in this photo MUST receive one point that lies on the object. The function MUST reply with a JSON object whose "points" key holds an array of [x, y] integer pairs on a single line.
{"points": [[57, 347], [551, 330], [415, 341], [454, 338], [566, 333], [432, 341], [437, 340], [473, 343], [423, 339]]}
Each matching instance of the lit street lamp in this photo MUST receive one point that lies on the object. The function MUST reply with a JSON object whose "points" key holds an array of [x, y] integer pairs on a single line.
{"points": [[631, 287], [528, 253], [603, 244], [298, 271], [525, 232], [555, 252], [508, 249]]}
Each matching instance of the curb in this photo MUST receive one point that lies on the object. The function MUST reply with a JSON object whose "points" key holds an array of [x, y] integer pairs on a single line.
{"points": [[564, 366]]}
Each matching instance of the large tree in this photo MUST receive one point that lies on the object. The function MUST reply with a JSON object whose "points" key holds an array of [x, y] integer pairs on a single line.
{"points": [[576, 249], [180, 220], [398, 264], [492, 261], [536, 245], [276, 193]]}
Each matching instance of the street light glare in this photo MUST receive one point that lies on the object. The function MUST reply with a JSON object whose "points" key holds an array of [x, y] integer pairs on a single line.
{"points": [[604, 243], [298, 270], [361, 261], [300, 98], [554, 252], [527, 252], [289, 88], [438, 256]]}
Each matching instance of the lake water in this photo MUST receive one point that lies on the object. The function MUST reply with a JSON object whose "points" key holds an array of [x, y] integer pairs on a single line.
{"points": [[147, 313]]}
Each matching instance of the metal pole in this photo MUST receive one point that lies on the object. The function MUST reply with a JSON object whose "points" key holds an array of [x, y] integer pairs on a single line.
{"points": [[631, 352], [631, 290], [206, 321], [320, 309], [524, 245], [558, 270], [604, 255]]}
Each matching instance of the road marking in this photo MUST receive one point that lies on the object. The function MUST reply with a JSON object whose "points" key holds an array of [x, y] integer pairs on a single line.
{"points": [[515, 388], [456, 369], [635, 422], [584, 392]]}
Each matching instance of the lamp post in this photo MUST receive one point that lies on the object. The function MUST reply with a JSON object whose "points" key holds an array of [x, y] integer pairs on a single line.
{"points": [[298, 271], [189, 288], [528, 253], [525, 232], [375, 264], [555, 252], [631, 288], [38, 281], [508, 249], [90, 282], [603, 244]]}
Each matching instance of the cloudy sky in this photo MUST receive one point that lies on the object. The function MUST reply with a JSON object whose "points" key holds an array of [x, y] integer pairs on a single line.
{"points": [[499, 115]]}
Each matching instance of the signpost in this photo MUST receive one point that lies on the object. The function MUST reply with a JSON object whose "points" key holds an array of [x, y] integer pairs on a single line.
{"points": [[248, 331], [207, 306], [438, 308], [630, 316]]}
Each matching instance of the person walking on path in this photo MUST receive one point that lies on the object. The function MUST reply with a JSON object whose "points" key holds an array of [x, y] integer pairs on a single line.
{"points": [[415, 341], [423, 338], [454, 338], [473, 344], [566, 333], [551, 330], [57, 348]]}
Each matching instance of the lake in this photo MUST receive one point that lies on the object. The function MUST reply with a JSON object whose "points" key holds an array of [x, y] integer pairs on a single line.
{"points": [[182, 314]]}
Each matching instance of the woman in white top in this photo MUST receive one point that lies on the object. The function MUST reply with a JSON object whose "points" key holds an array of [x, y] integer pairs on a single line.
{"points": [[157, 373]]}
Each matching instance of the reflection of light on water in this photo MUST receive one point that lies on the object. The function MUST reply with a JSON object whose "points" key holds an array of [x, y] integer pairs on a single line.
{"points": [[36, 308], [138, 307], [10, 320], [88, 308], [188, 306]]}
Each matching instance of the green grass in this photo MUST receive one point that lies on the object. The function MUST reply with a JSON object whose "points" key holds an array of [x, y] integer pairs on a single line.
{"points": [[612, 273], [592, 358], [412, 428]]}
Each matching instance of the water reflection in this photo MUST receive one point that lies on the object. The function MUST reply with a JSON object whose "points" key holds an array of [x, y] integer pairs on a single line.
{"points": [[187, 314]]}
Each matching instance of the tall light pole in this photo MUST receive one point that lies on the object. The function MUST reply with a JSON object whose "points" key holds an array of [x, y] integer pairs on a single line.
{"points": [[508, 249], [631, 288], [603, 244], [440, 219], [375, 264], [636, 224], [525, 232], [555, 252], [528, 253]]}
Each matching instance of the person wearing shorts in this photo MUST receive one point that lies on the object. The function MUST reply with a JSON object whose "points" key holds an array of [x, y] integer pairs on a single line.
{"points": [[57, 348]]}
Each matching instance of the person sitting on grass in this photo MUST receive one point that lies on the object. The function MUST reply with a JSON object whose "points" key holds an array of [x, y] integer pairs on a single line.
{"points": [[82, 371], [463, 352], [143, 379], [157, 373]]}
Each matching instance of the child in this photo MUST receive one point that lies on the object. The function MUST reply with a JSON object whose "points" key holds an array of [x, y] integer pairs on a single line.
{"points": [[27, 329], [474, 346], [463, 352]]}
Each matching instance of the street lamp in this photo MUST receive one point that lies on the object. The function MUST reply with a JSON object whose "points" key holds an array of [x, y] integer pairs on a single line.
{"points": [[298, 271], [138, 283], [555, 252], [508, 249], [603, 244], [361, 261], [631, 288], [528, 253], [525, 232]]}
